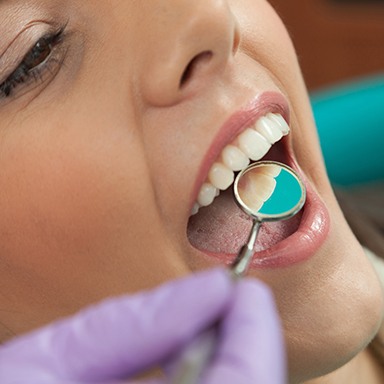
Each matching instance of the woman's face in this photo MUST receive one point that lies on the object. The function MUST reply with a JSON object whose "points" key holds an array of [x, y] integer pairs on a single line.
{"points": [[112, 116]]}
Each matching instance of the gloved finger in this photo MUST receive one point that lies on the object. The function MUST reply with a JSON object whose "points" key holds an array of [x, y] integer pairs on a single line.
{"points": [[59, 381], [123, 336], [129, 381], [251, 347]]}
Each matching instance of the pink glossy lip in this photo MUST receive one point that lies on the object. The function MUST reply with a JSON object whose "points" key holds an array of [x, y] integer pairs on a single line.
{"points": [[238, 122]]}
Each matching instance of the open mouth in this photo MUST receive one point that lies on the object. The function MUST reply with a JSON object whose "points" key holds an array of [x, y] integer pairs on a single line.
{"points": [[217, 225]]}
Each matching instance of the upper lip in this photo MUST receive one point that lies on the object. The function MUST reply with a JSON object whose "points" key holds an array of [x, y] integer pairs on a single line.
{"points": [[237, 122]]}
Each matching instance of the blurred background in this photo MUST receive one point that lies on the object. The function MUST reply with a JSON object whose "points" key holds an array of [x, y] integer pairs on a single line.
{"points": [[336, 40], [340, 44]]}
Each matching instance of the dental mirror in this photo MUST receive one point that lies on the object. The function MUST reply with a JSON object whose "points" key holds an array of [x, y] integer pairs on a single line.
{"points": [[266, 191]]}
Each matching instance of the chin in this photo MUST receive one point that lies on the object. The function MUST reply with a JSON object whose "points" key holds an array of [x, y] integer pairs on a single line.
{"points": [[339, 314]]}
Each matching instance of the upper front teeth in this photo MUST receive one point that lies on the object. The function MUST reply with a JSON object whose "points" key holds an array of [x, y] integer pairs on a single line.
{"points": [[234, 158], [251, 144], [220, 176]]}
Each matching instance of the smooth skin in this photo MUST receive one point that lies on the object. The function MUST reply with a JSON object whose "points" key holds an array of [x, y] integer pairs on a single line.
{"points": [[99, 158]]}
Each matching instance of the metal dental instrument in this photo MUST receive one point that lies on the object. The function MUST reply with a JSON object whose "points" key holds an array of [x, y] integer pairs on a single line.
{"points": [[266, 191]]}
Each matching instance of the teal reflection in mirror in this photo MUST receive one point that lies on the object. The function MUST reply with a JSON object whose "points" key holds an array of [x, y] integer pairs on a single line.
{"points": [[269, 191]]}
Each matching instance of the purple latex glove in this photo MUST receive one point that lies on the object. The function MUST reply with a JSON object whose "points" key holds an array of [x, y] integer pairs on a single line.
{"points": [[119, 338]]}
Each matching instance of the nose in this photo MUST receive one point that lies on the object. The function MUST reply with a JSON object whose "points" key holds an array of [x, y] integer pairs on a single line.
{"points": [[190, 42]]}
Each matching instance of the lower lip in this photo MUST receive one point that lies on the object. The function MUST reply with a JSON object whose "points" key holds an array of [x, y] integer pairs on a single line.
{"points": [[298, 247]]}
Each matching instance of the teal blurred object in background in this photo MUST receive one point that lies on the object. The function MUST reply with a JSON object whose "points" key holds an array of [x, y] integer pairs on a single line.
{"points": [[350, 121]]}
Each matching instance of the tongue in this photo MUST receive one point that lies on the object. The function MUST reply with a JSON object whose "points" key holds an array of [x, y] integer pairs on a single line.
{"points": [[222, 227]]}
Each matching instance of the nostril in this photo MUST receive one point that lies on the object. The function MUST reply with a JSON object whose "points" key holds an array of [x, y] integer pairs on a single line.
{"points": [[193, 65]]}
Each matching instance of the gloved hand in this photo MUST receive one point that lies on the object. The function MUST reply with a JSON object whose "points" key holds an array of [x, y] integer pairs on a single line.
{"points": [[121, 337]]}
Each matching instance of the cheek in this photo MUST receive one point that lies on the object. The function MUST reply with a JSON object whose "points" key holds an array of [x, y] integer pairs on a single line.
{"points": [[267, 41], [75, 205], [265, 38]]}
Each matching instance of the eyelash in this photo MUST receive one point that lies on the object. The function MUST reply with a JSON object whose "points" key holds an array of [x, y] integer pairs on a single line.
{"points": [[31, 67]]}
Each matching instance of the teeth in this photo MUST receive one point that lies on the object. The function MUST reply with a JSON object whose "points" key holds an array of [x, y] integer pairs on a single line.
{"points": [[234, 158], [279, 120], [207, 194], [256, 188], [272, 170], [195, 209], [252, 144], [220, 176], [261, 185], [269, 129]]}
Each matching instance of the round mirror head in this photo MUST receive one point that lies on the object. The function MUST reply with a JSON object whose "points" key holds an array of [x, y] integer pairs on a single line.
{"points": [[269, 191]]}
